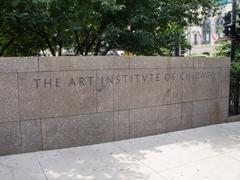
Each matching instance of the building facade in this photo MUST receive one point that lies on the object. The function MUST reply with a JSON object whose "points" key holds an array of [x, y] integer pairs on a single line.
{"points": [[203, 38]]}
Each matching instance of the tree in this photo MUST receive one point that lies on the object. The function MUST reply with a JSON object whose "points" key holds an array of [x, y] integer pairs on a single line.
{"points": [[144, 27], [7, 25]]}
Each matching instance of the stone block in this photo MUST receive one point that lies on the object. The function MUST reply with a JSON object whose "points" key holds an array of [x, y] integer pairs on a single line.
{"points": [[215, 106], [210, 112], [146, 62], [121, 125], [154, 120], [83, 63], [206, 83], [18, 64], [225, 82], [176, 86], [173, 124], [224, 103], [10, 138], [172, 110], [201, 62], [233, 118], [105, 83], [8, 98], [149, 87], [55, 94], [209, 119], [172, 116], [186, 120], [180, 62], [77, 130], [201, 120], [201, 84], [187, 85], [145, 122], [31, 135], [122, 90], [187, 109]]}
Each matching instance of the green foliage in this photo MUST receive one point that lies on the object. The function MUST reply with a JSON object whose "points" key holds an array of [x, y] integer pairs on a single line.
{"points": [[223, 50], [235, 88], [144, 27]]}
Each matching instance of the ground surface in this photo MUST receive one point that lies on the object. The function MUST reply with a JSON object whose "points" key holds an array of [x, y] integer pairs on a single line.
{"points": [[211, 153]]}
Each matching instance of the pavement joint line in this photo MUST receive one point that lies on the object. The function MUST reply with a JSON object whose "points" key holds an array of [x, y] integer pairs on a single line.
{"points": [[184, 164], [175, 167], [142, 163], [38, 160]]}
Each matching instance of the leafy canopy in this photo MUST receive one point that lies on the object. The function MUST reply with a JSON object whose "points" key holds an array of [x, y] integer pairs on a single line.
{"points": [[146, 27]]}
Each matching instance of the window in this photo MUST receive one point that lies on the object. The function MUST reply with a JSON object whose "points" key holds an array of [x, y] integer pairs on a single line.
{"points": [[207, 32], [219, 27], [195, 39]]}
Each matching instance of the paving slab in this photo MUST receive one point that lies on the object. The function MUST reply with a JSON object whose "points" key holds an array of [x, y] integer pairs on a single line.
{"points": [[94, 162], [21, 167], [216, 168], [210, 153]]}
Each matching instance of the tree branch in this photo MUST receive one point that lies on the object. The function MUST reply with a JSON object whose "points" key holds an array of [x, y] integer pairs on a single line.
{"points": [[8, 44]]}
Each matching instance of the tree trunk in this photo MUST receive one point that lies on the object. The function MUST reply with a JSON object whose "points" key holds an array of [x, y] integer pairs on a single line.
{"points": [[50, 46], [176, 51], [97, 49], [95, 37], [80, 45], [45, 37], [89, 46]]}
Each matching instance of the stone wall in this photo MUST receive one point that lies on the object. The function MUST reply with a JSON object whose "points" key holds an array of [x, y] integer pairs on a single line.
{"points": [[58, 102]]}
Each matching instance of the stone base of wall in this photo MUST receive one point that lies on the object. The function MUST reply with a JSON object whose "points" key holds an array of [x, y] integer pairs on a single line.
{"points": [[234, 118], [59, 102]]}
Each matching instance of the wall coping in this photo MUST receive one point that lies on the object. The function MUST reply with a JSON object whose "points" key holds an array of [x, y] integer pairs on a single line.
{"points": [[78, 63]]}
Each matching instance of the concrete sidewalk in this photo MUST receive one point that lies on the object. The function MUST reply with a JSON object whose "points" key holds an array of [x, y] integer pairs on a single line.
{"points": [[211, 153]]}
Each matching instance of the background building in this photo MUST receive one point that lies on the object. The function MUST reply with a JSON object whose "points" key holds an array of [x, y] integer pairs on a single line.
{"points": [[203, 38]]}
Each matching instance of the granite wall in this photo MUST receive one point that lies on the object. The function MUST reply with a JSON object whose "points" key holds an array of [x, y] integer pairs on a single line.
{"points": [[58, 102]]}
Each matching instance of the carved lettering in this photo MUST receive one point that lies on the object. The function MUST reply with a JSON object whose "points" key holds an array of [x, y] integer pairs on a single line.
{"points": [[37, 82], [47, 83], [90, 79], [118, 79], [144, 76], [72, 82], [123, 78], [110, 79], [58, 82], [82, 81], [167, 77], [137, 77]]}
